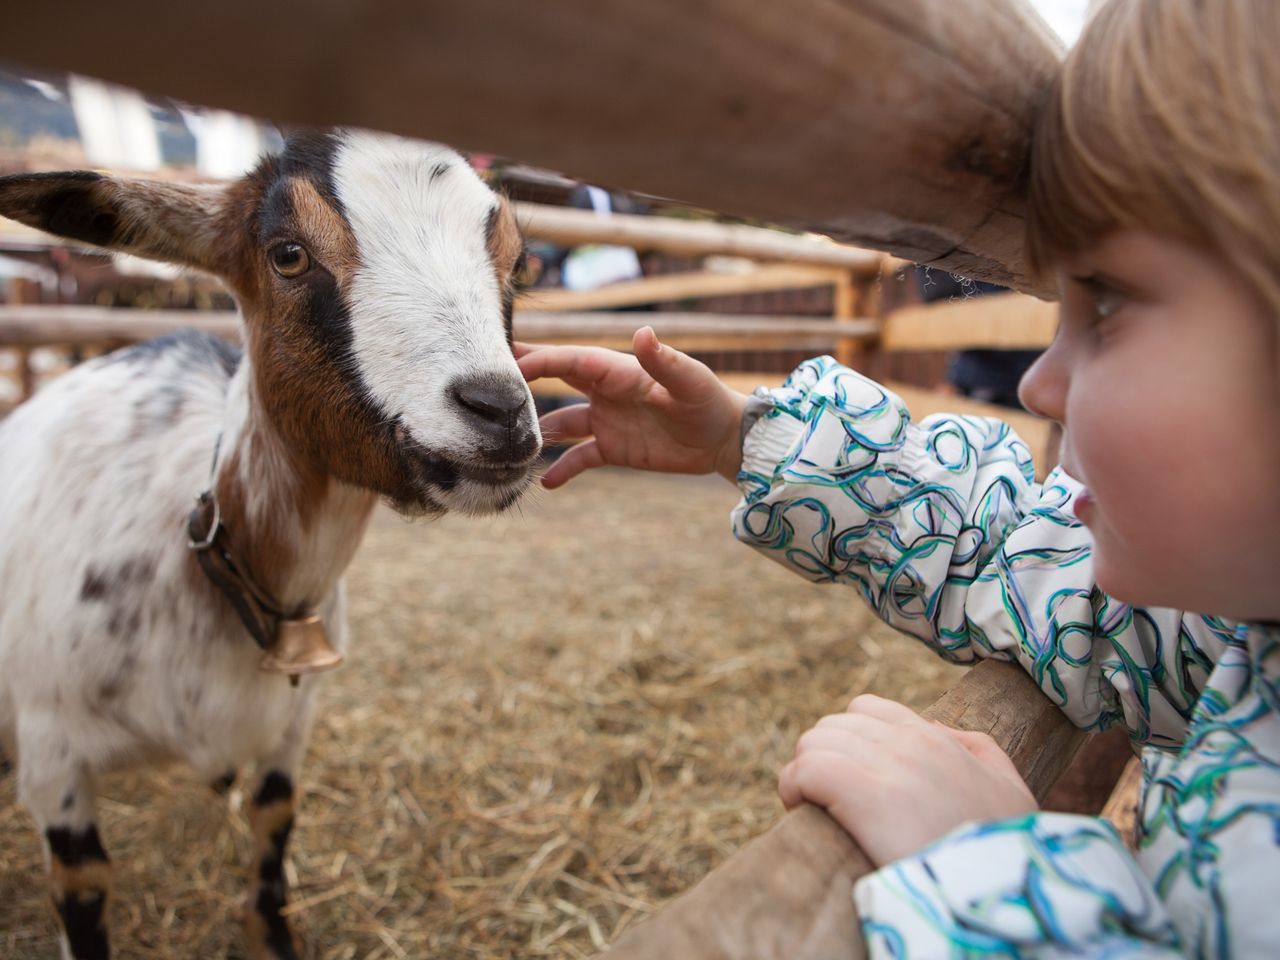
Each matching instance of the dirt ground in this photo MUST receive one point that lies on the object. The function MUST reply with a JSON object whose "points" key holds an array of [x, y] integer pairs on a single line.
{"points": [[550, 723]]}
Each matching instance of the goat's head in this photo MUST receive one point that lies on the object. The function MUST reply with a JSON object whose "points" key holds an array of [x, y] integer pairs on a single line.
{"points": [[375, 278]]}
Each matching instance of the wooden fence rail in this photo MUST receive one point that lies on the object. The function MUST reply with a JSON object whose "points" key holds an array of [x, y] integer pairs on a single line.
{"points": [[961, 325], [788, 894], [569, 227], [901, 125]]}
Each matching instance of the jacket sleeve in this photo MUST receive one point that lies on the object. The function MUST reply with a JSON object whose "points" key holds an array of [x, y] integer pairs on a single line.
{"points": [[1039, 886], [943, 530]]}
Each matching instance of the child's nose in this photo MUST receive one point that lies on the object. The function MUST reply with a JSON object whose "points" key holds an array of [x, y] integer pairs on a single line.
{"points": [[1043, 388]]}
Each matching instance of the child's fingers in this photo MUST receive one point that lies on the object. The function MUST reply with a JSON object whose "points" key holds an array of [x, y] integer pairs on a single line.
{"points": [[521, 349], [684, 377], [981, 745], [577, 459], [818, 776], [580, 367], [567, 423], [850, 744], [788, 790], [889, 711], [869, 728]]}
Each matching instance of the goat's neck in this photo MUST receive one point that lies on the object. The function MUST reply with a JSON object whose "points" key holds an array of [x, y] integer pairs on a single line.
{"points": [[292, 525]]}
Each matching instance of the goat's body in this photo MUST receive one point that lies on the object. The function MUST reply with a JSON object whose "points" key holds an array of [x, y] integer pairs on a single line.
{"points": [[374, 277], [112, 648]]}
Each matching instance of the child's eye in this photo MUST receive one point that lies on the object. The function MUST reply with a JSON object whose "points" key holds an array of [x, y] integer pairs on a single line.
{"points": [[1104, 300]]}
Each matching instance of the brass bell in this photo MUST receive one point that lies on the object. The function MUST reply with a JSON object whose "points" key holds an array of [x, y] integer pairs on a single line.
{"points": [[302, 646]]}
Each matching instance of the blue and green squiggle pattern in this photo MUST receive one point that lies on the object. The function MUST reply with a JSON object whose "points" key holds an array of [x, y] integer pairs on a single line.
{"points": [[943, 531]]}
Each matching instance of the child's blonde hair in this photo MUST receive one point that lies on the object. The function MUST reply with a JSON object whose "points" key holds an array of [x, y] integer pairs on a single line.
{"points": [[1166, 117]]}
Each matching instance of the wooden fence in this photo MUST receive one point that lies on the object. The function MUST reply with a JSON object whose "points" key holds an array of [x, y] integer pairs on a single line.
{"points": [[854, 332], [896, 124], [796, 879], [901, 124]]}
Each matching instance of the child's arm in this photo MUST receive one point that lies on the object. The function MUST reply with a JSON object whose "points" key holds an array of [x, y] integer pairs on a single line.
{"points": [[967, 865], [657, 410], [943, 530]]}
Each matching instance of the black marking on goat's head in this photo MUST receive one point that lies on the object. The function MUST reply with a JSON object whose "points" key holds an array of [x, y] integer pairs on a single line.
{"points": [[395, 286], [375, 276]]}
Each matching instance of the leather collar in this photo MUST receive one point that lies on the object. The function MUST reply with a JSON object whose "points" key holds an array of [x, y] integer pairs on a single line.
{"points": [[257, 609]]}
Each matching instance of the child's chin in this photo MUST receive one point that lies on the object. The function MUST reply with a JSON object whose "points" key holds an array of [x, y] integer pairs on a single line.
{"points": [[1123, 583]]}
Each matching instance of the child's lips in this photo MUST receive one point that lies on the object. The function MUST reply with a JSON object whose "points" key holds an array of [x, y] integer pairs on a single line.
{"points": [[1084, 505]]}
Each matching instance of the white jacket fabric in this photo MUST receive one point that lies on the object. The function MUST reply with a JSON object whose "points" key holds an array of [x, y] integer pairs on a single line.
{"points": [[942, 529]]}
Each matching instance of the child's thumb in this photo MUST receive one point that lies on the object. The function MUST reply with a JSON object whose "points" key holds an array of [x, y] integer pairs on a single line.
{"points": [[684, 377]]}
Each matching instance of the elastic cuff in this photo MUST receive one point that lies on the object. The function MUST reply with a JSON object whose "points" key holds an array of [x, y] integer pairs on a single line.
{"points": [[767, 443]]}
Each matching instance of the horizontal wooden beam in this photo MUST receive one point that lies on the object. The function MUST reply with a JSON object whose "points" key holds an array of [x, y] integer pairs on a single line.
{"points": [[42, 325], [53, 325], [789, 892], [900, 125], [569, 227], [35, 325], [996, 322], [688, 285], [691, 331], [1038, 434]]}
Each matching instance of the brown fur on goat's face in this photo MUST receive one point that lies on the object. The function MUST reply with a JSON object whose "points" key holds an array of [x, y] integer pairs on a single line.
{"points": [[296, 330], [386, 363], [293, 327]]}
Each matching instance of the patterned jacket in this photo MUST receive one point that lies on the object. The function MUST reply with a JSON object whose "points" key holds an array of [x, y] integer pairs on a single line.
{"points": [[942, 529]]}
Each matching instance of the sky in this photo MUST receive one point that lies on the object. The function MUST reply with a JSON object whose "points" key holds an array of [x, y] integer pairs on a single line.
{"points": [[1065, 16]]}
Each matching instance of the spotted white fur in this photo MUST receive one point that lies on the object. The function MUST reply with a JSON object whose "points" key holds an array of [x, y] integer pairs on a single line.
{"points": [[108, 656]]}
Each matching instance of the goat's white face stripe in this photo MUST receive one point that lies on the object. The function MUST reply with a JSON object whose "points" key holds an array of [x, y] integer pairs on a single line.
{"points": [[424, 305]]}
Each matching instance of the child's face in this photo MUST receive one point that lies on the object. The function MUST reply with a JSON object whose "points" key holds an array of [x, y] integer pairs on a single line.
{"points": [[1164, 375]]}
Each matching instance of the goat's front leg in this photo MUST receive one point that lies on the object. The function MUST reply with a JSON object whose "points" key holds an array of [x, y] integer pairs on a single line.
{"points": [[268, 933], [57, 788]]}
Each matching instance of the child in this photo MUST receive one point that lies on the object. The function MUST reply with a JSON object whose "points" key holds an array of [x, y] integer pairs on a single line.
{"points": [[1155, 197]]}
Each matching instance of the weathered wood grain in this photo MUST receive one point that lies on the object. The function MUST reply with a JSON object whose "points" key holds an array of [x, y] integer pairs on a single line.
{"points": [[901, 125], [788, 894]]}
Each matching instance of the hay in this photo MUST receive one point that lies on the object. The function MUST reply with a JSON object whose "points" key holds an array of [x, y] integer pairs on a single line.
{"points": [[551, 722]]}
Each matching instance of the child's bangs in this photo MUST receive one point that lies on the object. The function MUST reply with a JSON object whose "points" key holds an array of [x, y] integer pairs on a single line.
{"points": [[1164, 118], [1096, 154]]}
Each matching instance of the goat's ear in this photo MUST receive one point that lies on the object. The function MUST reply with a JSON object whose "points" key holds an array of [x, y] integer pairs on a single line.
{"points": [[177, 223]]}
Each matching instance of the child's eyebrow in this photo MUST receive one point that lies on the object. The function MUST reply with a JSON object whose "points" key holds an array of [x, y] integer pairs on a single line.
{"points": [[1100, 280]]}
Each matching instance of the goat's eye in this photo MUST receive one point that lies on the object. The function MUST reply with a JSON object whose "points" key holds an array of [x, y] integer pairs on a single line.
{"points": [[289, 259]]}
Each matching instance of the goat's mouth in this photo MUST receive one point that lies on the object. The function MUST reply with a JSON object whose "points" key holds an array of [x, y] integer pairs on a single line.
{"points": [[500, 476], [439, 482]]}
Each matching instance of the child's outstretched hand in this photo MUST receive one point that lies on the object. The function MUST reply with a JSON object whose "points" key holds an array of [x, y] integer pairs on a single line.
{"points": [[657, 410], [897, 781]]}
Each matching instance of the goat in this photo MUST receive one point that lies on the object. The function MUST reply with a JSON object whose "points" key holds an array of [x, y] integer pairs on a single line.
{"points": [[374, 277]]}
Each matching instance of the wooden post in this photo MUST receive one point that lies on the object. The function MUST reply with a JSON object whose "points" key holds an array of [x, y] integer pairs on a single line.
{"points": [[1122, 806], [901, 125], [20, 290], [848, 349], [26, 375], [789, 893], [859, 298]]}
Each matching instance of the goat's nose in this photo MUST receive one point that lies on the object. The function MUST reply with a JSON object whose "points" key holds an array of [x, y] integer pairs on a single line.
{"points": [[492, 401]]}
